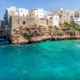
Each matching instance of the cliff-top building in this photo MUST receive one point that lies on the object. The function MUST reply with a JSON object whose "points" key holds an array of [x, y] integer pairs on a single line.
{"points": [[16, 17], [13, 11], [64, 15], [39, 12]]}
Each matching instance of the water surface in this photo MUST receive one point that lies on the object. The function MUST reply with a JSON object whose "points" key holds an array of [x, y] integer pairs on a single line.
{"points": [[48, 60]]}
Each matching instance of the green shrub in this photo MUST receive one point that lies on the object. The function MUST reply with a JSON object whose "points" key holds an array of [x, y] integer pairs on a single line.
{"points": [[73, 25]]}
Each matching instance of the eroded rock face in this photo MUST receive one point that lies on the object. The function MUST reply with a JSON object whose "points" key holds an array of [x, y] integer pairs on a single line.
{"points": [[19, 40], [36, 34]]}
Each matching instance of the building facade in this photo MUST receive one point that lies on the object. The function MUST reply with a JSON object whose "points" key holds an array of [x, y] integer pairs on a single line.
{"points": [[39, 12], [64, 15], [53, 21], [16, 17], [13, 11], [18, 21]]}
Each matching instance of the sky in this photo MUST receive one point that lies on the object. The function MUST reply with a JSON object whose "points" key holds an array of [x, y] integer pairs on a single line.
{"points": [[48, 5]]}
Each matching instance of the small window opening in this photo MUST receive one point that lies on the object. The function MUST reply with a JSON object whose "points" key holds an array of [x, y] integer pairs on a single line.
{"points": [[23, 22]]}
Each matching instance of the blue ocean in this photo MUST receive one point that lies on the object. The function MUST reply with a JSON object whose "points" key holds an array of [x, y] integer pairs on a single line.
{"points": [[47, 60]]}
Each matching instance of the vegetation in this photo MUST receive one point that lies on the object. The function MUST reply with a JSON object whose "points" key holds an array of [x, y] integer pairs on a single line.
{"points": [[73, 25]]}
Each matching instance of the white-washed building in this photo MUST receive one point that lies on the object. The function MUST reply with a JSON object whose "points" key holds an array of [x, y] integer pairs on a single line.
{"points": [[39, 12], [76, 20], [53, 21], [13, 11]]}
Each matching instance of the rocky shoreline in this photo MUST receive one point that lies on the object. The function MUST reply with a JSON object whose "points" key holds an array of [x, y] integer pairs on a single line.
{"points": [[36, 34], [39, 39]]}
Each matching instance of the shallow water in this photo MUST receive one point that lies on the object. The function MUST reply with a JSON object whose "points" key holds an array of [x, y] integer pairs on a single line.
{"points": [[48, 60]]}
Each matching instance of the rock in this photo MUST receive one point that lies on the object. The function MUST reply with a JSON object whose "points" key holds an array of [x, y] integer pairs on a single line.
{"points": [[35, 39], [19, 40], [20, 36]]}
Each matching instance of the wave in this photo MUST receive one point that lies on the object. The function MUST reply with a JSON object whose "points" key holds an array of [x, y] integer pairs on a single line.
{"points": [[78, 45]]}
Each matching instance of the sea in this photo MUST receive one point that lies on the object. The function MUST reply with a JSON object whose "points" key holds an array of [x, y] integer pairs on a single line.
{"points": [[47, 60]]}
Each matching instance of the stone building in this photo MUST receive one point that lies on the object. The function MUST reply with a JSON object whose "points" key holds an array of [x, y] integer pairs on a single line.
{"points": [[75, 16], [76, 21], [43, 22], [18, 21], [13, 11], [64, 15], [68, 15], [16, 17], [77, 13]]}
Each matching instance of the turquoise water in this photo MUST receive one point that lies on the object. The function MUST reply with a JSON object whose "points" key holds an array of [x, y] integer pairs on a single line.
{"points": [[48, 60]]}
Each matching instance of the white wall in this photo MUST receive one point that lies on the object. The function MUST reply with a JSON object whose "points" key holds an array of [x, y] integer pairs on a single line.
{"points": [[77, 21], [11, 9], [21, 12], [18, 12], [48, 17], [40, 13], [55, 20]]}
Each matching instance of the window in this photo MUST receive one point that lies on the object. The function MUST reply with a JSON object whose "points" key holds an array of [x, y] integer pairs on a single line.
{"points": [[24, 22], [60, 16]]}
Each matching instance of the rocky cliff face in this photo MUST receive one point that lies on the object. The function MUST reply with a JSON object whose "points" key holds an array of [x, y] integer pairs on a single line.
{"points": [[36, 34]]}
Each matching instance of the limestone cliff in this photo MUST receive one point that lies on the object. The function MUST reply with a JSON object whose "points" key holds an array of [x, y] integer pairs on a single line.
{"points": [[33, 34]]}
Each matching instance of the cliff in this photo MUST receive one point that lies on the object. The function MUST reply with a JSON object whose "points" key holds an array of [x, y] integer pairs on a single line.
{"points": [[33, 34]]}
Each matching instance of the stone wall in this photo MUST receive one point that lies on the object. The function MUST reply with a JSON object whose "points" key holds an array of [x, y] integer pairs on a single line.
{"points": [[50, 22], [43, 22], [27, 21]]}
